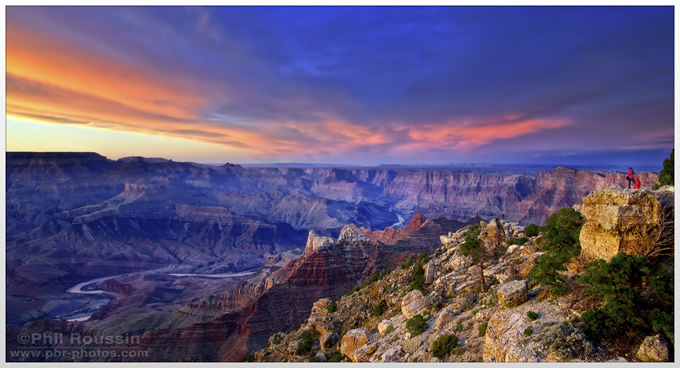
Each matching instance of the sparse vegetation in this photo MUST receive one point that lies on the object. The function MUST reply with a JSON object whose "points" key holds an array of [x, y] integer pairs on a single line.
{"points": [[416, 325], [379, 309], [518, 240], [532, 315], [528, 331], [459, 327], [482, 328], [408, 262], [567, 341], [305, 344], [336, 356], [277, 339], [248, 358], [379, 275], [444, 345], [389, 329], [473, 248], [419, 274], [332, 307], [561, 243]]}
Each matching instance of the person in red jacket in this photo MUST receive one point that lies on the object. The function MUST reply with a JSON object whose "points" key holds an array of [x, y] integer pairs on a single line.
{"points": [[630, 176], [636, 185]]}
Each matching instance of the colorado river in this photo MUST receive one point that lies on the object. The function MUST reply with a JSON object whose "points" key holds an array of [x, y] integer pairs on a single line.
{"points": [[78, 289], [398, 224]]}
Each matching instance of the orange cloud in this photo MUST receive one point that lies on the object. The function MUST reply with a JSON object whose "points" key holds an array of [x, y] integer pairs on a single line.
{"points": [[51, 80], [466, 136]]}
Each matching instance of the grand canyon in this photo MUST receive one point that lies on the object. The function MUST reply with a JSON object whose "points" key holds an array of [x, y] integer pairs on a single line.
{"points": [[207, 262]]}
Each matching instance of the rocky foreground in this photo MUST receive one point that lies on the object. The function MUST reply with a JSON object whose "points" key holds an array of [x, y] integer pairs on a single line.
{"points": [[514, 321]]}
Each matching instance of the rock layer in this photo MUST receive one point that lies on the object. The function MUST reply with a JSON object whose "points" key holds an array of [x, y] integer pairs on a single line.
{"points": [[623, 220]]}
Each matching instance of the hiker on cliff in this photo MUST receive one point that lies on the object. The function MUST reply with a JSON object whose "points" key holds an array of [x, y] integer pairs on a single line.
{"points": [[630, 176], [636, 185]]}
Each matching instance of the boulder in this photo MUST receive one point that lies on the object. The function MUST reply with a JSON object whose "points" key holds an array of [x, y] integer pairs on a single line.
{"points": [[392, 355], [653, 349], [328, 340], [622, 220], [512, 294], [383, 326], [321, 357], [413, 303], [446, 317], [353, 340], [430, 273]]}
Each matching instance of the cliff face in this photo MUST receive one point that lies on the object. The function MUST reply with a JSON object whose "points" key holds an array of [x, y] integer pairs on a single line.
{"points": [[509, 323], [624, 220], [280, 296]]}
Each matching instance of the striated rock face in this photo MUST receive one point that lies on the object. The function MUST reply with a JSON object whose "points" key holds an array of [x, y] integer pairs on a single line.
{"points": [[622, 220], [505, 332], [653, 349]]}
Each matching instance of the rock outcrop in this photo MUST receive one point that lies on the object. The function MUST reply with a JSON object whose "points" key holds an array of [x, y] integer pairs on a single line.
{"points": [[352, 341], [623, 220], [413, 304], [512, 294], [653, 349]]}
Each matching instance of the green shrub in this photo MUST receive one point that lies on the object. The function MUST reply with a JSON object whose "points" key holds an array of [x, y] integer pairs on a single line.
{"points": [[305, 345], [389, 329], [532, 230], [444, 345], [379, 275], [248, 358], [379, 309], [408, 262], [416, 325], [528, 331], [336, 356], [459, 327], [618, 282], [532, 315], [561, 243], [332, 307], [277, 339], [418, 274], [666, 176], [482, 328], [518, 241]]}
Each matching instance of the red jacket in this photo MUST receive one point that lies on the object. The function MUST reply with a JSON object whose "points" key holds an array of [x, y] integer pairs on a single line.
{"points": [[636, 185]]}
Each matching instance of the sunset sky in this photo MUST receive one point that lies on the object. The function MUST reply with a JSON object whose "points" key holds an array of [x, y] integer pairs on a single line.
{"points": [[352, 85]]}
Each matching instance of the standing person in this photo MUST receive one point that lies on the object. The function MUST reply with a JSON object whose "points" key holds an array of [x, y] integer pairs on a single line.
{"points": [[636, 185], [631, 176]]}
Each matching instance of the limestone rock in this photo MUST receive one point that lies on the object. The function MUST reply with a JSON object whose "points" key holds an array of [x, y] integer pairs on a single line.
{"points": [[384, 326], [512, 294], [430, 273], [653, 349], [622, 220], [446, 317], [392, 355], [320, 356], [353, 340], [413, 304], [328, 340]]}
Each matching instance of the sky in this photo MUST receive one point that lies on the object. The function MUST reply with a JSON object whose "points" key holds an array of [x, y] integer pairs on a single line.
{"points": [[350, 85]]}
